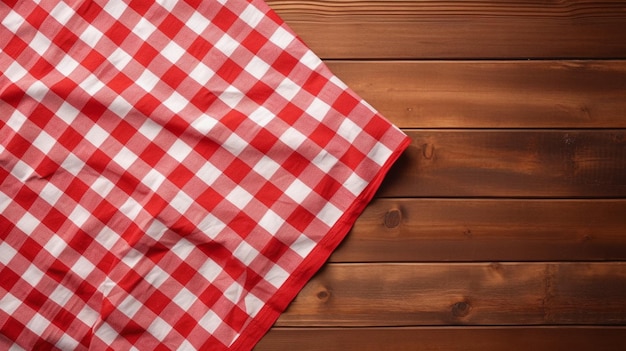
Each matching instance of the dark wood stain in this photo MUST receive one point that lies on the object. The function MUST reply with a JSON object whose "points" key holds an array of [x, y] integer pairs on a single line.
{"points": [[503, 226]]}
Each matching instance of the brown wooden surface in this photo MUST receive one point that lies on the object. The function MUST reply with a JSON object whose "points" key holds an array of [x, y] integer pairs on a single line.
{"points": [[492, 94], [511, 163], [458, 29], [503, 226], [446, 338], [440, 230], [414, 294]]}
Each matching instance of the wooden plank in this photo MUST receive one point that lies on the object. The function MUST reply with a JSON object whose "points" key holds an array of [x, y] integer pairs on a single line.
{"points": [[510, 163], [438, 230], [469, 293], [492, 94], [446, 338], [458, 29]]}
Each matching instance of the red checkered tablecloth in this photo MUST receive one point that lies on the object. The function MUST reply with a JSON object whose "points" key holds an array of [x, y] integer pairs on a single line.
{"points": [[172, 172]]}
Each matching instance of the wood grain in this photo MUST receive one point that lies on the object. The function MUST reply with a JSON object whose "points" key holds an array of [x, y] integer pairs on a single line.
{"points": [[517, 114], [458, 29], [492, 94], [446, 338], [511, 163], [468, 294], [438, 230]]}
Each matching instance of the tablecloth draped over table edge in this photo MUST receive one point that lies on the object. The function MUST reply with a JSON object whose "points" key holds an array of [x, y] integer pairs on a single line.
{"points": [[173, 172]]}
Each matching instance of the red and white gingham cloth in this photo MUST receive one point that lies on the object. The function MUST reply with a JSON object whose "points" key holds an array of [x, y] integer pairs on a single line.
{"points": [[172, 172]]}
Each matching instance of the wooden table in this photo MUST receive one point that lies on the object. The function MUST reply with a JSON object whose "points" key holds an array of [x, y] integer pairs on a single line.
{"points": [[503, 227]]}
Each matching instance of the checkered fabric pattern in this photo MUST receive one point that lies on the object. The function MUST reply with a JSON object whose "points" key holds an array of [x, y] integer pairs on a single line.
{"points": [[172, 172]]}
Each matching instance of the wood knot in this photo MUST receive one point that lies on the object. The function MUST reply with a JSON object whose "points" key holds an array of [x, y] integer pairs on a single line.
{"points": [[428, 151], [461, 309], [393, 218], [323, 295]]}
